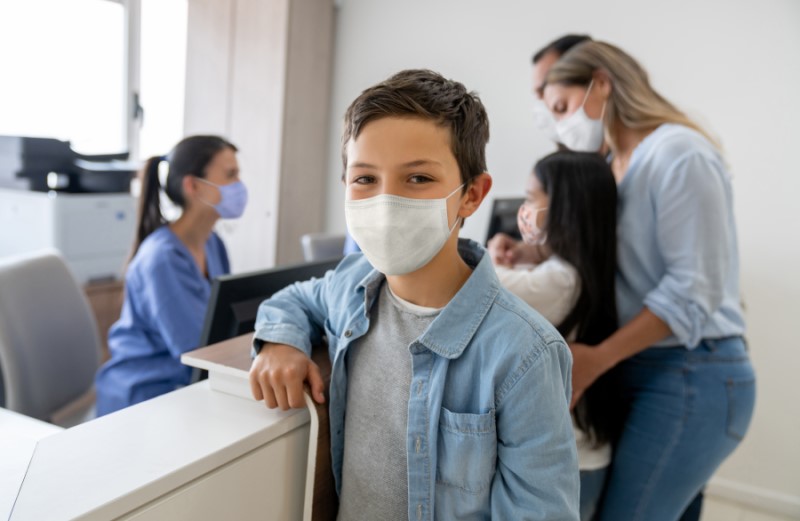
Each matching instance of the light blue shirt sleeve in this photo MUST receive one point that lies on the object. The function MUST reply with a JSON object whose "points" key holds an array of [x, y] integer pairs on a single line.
{"points": [[693, 235]]}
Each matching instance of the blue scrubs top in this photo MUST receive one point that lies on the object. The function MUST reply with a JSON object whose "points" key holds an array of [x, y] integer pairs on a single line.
{"points": [[166, 297]]}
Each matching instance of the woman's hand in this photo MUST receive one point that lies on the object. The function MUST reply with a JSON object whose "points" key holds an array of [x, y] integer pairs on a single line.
{"points": [[588, 364]]}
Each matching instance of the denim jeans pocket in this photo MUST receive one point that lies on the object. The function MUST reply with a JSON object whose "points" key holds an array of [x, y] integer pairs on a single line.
{"points": [[466, 451], [741, 401]]}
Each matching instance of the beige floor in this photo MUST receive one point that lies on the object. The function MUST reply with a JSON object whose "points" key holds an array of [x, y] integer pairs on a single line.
{"points": [[718, 510]]}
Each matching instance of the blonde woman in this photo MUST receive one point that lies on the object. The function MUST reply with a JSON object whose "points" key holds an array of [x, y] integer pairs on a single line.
{"points": [[688, 383]]}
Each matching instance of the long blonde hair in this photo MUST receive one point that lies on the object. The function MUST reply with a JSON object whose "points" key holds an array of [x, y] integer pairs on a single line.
{"points": [[633, 101]]}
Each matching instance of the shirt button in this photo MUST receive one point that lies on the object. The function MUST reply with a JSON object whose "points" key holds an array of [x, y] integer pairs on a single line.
{"points": [[348, 334], [418, 445], [419, 511]]}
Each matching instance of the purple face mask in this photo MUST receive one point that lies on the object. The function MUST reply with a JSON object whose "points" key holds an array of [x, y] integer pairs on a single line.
{"points": [[233, 199]]}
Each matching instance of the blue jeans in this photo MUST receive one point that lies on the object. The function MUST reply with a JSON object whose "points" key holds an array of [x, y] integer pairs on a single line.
{"points": [[689, 409]]}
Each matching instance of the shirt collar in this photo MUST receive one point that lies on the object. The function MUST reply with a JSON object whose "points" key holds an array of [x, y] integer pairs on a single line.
{"points": [[451, 331]]}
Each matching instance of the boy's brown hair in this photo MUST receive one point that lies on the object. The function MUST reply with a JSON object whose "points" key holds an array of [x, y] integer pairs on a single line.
{"points": [[420, 93]]}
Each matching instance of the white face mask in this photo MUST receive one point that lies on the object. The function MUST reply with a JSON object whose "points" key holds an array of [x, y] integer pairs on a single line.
{"points": [[579, 132], [399, 235], [544, 121]]}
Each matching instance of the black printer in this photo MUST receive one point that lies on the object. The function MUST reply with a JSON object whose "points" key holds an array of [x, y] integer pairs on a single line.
{"points": [[45, 164]]}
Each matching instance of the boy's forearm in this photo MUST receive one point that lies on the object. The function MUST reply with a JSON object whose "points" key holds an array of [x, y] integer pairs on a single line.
{"points": [[293, 316], [284, 333]]}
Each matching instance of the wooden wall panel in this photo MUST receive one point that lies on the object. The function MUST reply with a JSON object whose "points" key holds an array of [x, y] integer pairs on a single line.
{"points": [[258, 71]]}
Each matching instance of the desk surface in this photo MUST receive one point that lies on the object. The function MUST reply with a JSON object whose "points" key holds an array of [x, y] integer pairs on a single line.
{"points": [[99, 469], [230, 356], [19, 436], [104, 468]]}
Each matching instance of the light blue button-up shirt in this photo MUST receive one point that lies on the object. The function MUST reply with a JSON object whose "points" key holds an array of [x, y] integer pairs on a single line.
{"points": [[677, 238], [489, 430]]}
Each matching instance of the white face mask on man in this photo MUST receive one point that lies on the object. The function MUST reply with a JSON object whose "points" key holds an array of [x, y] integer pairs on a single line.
{"points": [[399, 235], [580, 133], [544, 121]]}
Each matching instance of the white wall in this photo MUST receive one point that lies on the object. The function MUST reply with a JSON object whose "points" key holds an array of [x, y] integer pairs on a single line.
{"points": [[733, 64]]}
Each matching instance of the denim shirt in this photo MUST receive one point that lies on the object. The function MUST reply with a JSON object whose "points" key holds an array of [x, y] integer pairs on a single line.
{"points": [[489, 429]]}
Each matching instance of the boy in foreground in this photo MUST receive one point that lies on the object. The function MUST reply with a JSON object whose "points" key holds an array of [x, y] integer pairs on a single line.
{"points": [[449, 396]]}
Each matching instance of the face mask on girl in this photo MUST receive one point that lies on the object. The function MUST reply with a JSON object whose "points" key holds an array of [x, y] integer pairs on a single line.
{"points": [[528, 227], [579, 132], [232, 199], [399, 235]]}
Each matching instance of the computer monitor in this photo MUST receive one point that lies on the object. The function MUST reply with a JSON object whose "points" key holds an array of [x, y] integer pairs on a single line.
{"points": [[235, 299], [504, 217]]}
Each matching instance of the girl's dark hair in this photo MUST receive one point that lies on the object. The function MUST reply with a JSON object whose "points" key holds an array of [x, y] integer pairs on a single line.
{"points": [[581, 228], [189, 157]]}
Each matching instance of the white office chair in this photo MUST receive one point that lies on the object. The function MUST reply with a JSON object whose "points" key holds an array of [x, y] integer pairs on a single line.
{"points": [[322, 246], [49, 345]]}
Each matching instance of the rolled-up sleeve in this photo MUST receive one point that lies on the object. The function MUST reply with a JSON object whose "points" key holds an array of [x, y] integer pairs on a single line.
{"points": [[693, 233]]}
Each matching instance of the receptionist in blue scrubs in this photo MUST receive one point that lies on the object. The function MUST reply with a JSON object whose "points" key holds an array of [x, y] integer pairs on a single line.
{"points": [[167, 283]]}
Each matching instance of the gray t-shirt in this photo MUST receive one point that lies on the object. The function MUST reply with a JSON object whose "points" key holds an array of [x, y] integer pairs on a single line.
{"points": [[375, 465]]}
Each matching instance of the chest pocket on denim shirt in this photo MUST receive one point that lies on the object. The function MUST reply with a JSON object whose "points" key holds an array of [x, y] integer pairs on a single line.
{"points": [[467, 450]]}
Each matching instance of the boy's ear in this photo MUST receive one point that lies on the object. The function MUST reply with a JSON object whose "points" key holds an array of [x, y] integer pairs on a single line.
{"points": [[475, 194]]}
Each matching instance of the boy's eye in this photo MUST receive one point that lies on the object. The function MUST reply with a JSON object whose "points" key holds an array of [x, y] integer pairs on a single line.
{"points": [[419, 179]]}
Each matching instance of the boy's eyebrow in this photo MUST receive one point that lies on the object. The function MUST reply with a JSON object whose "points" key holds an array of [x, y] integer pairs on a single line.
{"points": [[410, 164], [420, 162]]}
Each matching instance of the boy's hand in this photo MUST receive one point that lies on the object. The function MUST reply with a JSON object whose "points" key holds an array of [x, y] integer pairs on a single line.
{"points": [[277, 377]]}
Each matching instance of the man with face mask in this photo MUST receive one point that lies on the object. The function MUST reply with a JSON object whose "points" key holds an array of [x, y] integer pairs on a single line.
{"points": [[448, 395], [504, 250]]}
